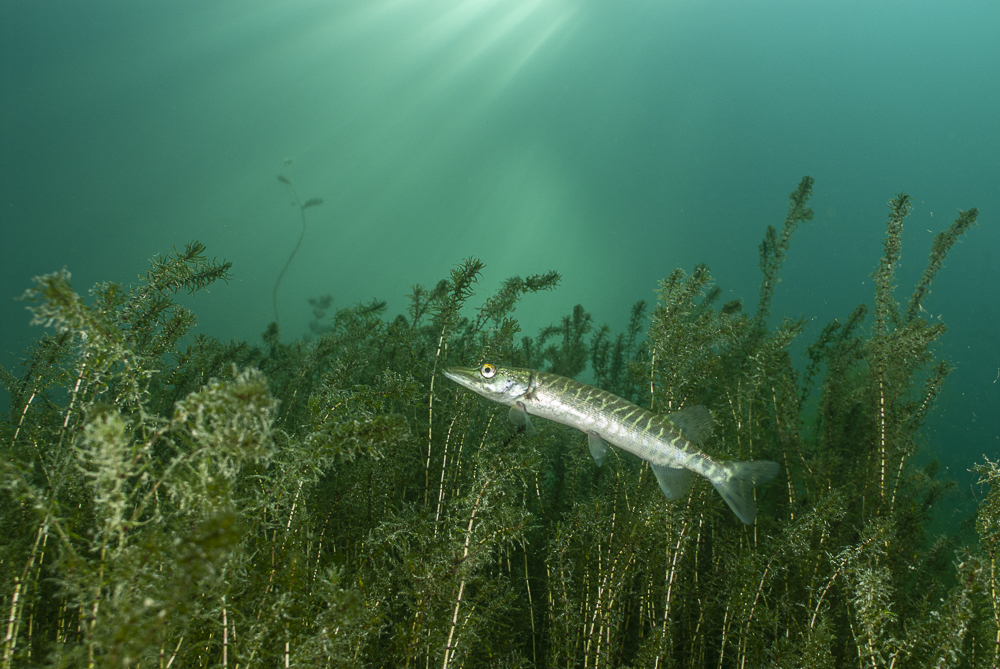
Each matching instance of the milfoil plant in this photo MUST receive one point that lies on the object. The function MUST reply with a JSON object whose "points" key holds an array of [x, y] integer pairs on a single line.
{"points": [[172, 500]]}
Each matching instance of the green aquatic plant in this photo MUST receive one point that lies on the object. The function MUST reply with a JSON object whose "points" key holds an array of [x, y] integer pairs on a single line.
{"points": [[168, 499], [286, 179]]}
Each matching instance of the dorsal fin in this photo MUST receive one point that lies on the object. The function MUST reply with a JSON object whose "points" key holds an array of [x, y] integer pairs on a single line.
{"points": [[694, 421]]}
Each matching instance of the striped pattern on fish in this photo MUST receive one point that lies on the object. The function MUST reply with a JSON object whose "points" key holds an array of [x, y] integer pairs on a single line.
{"points": [[668, 443]]}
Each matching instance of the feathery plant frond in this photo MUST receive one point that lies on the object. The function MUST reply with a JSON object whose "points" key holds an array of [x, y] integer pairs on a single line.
{"points": [[773, 247], [943, 242]]}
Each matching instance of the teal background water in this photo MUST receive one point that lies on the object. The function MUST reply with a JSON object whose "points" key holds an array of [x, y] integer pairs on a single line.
{"points": [[608, 141]]}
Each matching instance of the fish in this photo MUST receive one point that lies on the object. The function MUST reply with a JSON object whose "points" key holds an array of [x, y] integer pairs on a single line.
{"points": [[669, 443]]}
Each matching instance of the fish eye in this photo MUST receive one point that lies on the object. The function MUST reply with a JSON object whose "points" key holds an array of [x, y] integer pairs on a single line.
{"points": [[488, 371]]}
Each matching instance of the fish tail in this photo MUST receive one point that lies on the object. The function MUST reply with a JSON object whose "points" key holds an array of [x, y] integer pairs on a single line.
{"points": [[736, 482]]}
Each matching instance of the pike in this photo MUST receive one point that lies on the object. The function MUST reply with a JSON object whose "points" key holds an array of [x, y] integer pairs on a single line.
{"points": [[668, 443]]}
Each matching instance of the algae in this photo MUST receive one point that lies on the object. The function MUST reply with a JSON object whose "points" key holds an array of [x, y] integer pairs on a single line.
{"points": [[169, 499]]}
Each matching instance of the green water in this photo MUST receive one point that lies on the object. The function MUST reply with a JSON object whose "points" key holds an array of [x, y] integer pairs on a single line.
{"points": [[610, 143]]}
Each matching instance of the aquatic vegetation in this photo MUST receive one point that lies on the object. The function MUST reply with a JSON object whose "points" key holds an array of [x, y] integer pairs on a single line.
{"points": [[168, 499], [286, 179]]}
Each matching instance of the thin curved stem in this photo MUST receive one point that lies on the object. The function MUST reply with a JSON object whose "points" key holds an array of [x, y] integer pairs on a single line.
{"points": [[286, 179], [302, 235]]}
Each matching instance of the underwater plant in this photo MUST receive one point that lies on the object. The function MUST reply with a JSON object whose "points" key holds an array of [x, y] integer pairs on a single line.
{"points": [[170, 500], [286, 179]]}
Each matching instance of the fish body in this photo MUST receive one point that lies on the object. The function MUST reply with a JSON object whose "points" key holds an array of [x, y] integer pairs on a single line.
{"points": [[667, 442]]}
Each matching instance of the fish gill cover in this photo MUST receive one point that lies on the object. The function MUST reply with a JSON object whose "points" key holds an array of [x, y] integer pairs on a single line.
{"points": [[172, 500]]}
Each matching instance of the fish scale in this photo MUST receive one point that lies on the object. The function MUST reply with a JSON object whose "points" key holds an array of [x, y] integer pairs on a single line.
{"points": [[668, 443]]}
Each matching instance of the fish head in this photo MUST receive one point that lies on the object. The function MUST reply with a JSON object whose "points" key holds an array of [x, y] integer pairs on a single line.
{"points": [[499, 384]]}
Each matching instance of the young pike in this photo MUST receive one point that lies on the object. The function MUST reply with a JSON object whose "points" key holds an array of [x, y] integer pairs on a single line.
{"points": [[668, 442]]}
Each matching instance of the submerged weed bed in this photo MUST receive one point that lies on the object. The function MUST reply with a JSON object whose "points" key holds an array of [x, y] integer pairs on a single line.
{"points": [[170, 500]]}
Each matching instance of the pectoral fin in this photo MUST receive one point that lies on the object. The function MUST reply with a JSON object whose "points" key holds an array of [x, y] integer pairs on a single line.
{"points": [[674, 481], [598, 447], [518, 415]]}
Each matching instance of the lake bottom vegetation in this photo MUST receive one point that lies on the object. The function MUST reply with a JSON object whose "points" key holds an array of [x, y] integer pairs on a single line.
{"points": [[168, 499]]}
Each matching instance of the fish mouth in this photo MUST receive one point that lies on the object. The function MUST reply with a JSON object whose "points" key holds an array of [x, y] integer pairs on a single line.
{"points": [[460, 375]]}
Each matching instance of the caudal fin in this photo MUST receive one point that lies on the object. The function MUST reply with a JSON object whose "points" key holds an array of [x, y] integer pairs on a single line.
{"points": [[737, 483]]}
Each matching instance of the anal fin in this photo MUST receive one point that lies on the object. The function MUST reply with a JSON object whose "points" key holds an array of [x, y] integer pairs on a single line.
{"points": [[674, 481]]}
